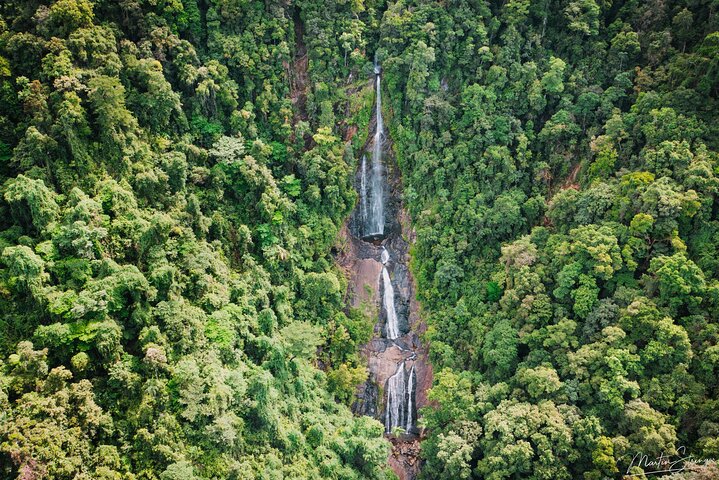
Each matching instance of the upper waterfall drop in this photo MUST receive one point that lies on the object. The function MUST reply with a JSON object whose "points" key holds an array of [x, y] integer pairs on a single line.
{"points": [[375, 223], [410, 400]]}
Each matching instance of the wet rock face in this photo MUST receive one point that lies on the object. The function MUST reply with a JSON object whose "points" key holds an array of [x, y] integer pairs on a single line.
{"points": [[401, 281], [367, 399], [363, 288]]}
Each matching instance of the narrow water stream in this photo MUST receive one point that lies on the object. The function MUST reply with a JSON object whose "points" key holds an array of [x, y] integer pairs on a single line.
{"points": [[376, 220], [387, 289]]}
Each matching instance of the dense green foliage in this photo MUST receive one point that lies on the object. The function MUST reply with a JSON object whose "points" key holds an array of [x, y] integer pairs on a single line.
{"points": [[168, 208], [561, 168], [175, 173]]}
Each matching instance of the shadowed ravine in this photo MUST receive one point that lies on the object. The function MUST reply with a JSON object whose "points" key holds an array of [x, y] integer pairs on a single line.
{"points": [[378, 237]]}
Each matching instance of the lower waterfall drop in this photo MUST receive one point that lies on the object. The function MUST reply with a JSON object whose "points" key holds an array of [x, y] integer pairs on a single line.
{"points": [[395, 400], [410, 400], [399, 410]]}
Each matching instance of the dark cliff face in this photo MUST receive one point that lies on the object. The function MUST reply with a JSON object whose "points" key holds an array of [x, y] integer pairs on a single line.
{"points": [[367, 399]]}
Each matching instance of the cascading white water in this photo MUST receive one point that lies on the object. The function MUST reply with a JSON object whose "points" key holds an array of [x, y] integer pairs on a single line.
{"points": [[410, 399], [384, 256], [388, 299], [395, 408], [399, 410], [375, 224]]}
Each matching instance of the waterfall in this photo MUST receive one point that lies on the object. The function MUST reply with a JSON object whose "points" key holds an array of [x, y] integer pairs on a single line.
{"points": [[394, 414], [375, 225], [410, 399], [374, 209], [399, 410], [388, 299]]}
